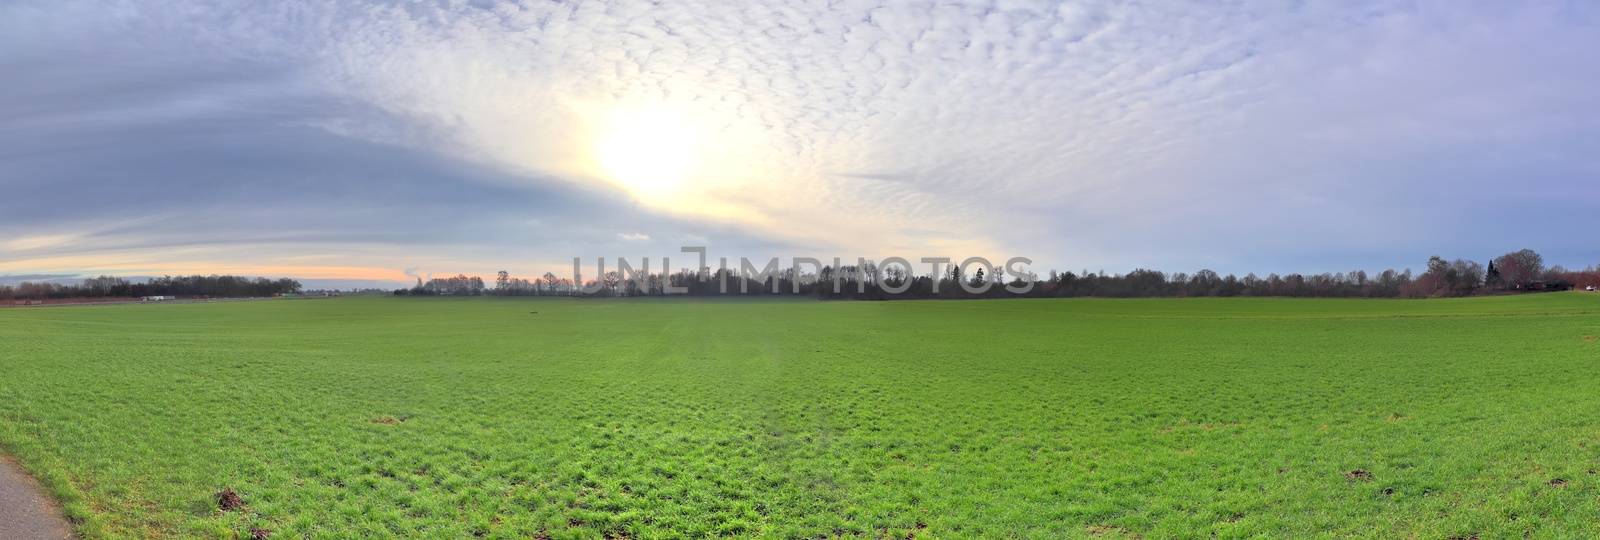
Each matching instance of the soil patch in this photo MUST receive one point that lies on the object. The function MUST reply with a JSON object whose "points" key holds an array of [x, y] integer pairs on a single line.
{"points": [[1359, 475], [228, 500]]}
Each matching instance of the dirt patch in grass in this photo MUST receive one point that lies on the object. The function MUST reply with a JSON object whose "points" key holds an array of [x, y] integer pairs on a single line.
{"points": [[387, 420], [1558, 482], [257, 533], [1590, 339], [228, 500], [1358, 475], [1110, 530]]}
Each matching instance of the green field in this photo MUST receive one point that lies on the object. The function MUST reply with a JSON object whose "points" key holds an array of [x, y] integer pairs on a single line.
{"points": [[562, 418]]}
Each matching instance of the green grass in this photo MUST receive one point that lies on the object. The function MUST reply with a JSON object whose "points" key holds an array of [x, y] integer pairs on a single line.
{"points": [[448, 418]]}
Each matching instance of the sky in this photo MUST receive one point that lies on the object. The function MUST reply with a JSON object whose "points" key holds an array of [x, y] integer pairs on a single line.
{"points": [[387, 141]]}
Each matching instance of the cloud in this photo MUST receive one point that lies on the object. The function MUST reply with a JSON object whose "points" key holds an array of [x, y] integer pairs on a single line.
{"points": [[1254, 136], [633, 237], [14, 279]]}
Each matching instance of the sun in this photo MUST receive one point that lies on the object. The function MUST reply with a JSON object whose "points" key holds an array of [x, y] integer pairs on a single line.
{"points": [[649, 152]]}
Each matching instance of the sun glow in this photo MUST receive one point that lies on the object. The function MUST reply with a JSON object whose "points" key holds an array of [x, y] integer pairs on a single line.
{"points": [[652, 153], [680, 157]]}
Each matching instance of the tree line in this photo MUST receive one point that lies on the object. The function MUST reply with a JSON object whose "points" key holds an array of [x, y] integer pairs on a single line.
{"points": [[1519, 271], [186, 286]]}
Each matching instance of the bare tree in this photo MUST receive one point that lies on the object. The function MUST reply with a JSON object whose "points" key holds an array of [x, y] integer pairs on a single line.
{"points": [[1519, 268]]}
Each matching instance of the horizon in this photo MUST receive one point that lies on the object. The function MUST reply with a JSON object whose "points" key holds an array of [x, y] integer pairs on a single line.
{"points": [[380, 143], [802, 265]]}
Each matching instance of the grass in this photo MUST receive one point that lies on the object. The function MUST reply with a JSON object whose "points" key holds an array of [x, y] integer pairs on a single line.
{"points": [[511, 418]]}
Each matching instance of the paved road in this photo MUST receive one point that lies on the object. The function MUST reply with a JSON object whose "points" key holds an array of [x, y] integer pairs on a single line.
{"points": [[25, 512]]}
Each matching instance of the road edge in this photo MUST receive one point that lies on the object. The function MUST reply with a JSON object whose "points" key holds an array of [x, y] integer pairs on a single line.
{"points": [[27, 510]]}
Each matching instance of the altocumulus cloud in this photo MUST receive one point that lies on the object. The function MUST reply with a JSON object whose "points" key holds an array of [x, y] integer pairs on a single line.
{"points": [[345, 139]]}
